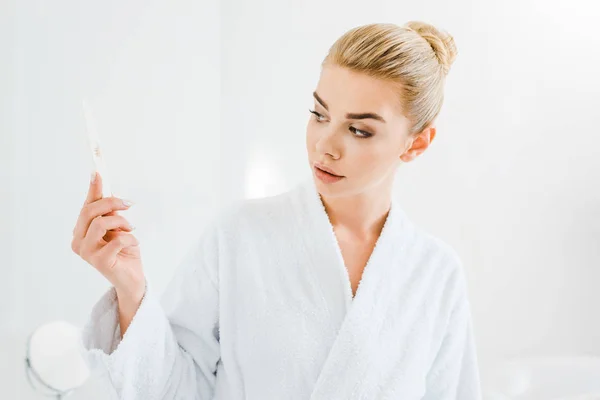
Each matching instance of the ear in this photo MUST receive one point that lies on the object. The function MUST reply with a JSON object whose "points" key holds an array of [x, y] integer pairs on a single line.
{"points": [[420, 143]]}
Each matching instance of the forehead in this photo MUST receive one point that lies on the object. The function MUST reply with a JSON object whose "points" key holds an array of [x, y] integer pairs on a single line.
{"points": [[347, 91]]}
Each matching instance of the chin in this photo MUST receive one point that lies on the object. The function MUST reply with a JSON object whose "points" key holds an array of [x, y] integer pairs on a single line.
{"points": [[338, 189]]}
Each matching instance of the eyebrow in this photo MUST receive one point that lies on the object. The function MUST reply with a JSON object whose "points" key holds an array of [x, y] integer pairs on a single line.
{"points": [[367, 115]]}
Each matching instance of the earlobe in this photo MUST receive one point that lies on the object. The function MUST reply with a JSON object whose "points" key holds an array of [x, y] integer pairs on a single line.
{"points": [[409, 152], [407, 156], [419, 144]]}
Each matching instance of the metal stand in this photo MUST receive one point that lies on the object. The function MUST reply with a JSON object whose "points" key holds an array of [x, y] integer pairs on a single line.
{"points": [[50, 391]]}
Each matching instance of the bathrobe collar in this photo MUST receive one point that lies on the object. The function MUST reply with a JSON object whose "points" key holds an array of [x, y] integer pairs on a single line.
{"points": [[354, 321]]}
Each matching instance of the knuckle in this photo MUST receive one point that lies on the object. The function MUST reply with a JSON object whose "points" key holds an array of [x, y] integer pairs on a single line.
{"points": [[97, 221], [85, 211], [83, 253], [88, 213], [75, 246]]}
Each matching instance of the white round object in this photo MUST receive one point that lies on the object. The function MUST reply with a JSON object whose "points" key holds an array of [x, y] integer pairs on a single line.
{"points": [[55, 356]]}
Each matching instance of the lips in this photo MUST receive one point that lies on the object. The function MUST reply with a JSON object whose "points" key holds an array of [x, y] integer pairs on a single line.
{"points": [[327, 169]]}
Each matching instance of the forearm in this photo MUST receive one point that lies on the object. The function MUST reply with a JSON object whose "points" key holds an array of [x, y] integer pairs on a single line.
{"points": [[128, 306], [128, 302]]}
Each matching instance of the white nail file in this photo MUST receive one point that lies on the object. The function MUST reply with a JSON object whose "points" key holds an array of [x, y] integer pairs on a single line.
{"points": [[95, 147]]}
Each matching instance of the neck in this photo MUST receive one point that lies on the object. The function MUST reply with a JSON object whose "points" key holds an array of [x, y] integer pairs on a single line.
{"points": [[363, 215]]}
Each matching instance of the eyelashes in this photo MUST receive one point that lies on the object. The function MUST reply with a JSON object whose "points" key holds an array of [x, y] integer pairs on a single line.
{"points": [[316, 114], [360, 134]]}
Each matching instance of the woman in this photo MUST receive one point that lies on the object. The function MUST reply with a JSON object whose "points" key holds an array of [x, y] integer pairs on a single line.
{"points": [[325, 292]]}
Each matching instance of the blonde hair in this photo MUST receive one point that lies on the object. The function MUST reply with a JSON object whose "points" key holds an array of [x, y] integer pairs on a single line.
{"points": [[415, 58]]}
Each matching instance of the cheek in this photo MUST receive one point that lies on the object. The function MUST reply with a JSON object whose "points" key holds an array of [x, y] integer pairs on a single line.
{"points": [[372, 159]]}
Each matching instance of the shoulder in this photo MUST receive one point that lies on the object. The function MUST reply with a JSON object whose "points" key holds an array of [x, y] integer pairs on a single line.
{"points": [[254, 214], [441, 250], [431, 250], [439, 261]]}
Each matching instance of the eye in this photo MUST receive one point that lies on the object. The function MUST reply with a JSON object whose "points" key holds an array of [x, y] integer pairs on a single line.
{"points": [[360, 134], [357, 132], [316, 114]]}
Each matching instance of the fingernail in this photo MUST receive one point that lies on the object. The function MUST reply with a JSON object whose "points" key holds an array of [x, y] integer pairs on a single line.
{"points": [[127, 203], [93, 177]]}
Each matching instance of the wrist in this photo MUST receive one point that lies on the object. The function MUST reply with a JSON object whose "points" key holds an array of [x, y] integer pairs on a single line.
{"points": [[133, 294]]}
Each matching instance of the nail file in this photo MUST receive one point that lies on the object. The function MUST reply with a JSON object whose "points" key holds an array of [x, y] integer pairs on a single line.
{"points": [[94, 143]]}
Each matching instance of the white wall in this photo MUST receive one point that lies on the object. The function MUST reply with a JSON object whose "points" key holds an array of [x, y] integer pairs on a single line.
{"points": [[8, 306], [151, 73], [202, 104]]}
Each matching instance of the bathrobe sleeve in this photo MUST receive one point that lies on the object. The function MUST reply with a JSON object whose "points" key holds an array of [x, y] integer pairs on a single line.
{"points": [[171, 348], [454, 374]]}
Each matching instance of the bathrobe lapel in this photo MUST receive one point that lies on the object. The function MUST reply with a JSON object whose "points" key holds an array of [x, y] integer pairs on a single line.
{"points": [[354, 322]]}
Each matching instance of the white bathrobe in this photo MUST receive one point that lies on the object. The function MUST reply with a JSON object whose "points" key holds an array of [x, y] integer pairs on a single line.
{"points": [[262, 308]]}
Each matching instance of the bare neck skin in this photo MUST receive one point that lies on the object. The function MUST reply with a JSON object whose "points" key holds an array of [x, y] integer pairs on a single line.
{"points": [[360, 217]]}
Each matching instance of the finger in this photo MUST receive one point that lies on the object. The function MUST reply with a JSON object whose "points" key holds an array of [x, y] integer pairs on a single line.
{"points": [[107, 206], [93, 210], [83, 247], [101, 225], [114, 212], [110, 235], [115, 246], [95, 189], [111, 214]]}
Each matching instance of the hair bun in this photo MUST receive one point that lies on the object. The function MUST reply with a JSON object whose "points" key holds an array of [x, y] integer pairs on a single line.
{"points": [[442, 43]]}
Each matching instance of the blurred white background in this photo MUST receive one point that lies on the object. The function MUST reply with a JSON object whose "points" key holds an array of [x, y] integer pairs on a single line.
{"points": [[200, 104]]}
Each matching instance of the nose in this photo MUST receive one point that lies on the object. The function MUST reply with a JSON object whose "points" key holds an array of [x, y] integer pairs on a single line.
{"points": [[328, 144]]}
